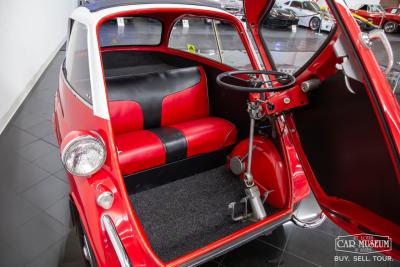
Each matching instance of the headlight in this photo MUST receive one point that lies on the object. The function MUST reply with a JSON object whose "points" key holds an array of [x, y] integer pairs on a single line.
{"points": [[84, 155]]}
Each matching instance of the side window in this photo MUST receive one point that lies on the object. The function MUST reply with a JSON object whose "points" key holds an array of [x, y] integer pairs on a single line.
{"points": [[394, 11], [122, 31], [210, 38], [195, 35], [292, 42], [364, 7], [77, 62], [295, 4]]}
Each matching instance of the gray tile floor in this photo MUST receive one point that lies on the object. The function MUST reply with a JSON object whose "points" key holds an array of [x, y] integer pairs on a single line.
{"points": [[35, 226]]}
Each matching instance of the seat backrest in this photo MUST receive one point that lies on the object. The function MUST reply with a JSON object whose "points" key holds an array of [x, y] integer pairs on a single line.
{"points": [[148, 101]]}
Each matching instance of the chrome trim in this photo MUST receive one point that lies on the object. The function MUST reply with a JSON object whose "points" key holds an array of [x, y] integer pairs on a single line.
{"points": [[115, 240], [79, 138], [86, 251], [100, 198], [310, 223], [379, 34]]}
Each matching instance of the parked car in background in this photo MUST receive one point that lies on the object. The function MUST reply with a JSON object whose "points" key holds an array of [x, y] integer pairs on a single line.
{"points": [[280, 17], [363, 23], [391, 20], [373, 13], [310, 15], [235, 7]]}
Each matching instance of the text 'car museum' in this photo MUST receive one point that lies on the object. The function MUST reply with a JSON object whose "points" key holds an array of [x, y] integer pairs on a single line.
{"points": [[200, 133]]}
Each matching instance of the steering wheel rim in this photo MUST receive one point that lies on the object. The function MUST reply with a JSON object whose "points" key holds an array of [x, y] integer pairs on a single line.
{"points": [[255, 88]]}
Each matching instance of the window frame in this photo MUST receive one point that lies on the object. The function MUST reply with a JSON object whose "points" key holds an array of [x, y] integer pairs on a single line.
{"points": [[306, 64], [215, 33], [64, 68]]}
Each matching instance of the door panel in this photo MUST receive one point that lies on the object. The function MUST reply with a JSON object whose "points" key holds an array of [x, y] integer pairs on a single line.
{"points": [[341, 136], [348, 144]]}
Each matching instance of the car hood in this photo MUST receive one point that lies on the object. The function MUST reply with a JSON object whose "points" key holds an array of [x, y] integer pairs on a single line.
{"points": [[284, 12]]}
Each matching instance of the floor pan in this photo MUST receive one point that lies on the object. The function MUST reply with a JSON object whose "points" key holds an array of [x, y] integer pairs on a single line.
{"points": [[190, 213]]}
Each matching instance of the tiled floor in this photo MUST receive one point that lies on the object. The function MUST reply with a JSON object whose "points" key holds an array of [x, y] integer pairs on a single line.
{"points": [[35, 228]]}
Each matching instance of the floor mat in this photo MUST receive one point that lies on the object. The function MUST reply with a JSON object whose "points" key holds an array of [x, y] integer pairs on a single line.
{"points": [[187, 214]]}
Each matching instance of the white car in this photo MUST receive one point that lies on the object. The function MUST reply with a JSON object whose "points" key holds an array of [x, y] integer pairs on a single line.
{"points": [[234, 7], [310, 15]]}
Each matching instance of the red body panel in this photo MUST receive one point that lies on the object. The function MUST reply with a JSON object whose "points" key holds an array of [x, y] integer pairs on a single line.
{"points": [[392, 17]]}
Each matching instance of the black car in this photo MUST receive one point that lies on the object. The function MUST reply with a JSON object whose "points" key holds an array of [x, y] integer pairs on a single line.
{"points": [[280, 18]]}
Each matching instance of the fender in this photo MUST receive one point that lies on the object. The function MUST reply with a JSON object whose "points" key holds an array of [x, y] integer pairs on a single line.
{"points": [[268, 169]]}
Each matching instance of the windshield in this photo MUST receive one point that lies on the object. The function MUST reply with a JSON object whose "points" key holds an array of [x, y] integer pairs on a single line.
{"points": [[311, 6], [376, 8]]}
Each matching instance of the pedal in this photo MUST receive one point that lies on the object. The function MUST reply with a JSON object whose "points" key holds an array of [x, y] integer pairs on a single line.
{"points": [[232, 207]]}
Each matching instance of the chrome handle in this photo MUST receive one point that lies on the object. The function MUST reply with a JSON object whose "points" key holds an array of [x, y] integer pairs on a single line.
{"points": [[379, 34]]}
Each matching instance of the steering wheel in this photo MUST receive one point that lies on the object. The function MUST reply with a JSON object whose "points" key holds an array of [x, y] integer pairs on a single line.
{"points": [[286, 80]]}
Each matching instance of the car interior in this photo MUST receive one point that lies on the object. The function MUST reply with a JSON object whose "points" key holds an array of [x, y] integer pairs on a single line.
{"points": [[174, 127]]}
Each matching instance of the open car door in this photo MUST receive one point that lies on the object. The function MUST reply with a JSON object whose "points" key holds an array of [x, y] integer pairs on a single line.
{"points": [[348, 135]]}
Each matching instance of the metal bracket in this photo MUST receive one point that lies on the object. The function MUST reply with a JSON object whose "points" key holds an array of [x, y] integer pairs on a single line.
{"points": [[255, 110], [245, 215]]}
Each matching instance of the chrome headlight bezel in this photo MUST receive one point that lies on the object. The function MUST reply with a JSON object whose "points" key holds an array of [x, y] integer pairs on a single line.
{"points": [[79, 141]]}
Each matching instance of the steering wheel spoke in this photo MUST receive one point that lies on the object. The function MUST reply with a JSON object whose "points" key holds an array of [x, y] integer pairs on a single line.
{"points": [[285, 80]]}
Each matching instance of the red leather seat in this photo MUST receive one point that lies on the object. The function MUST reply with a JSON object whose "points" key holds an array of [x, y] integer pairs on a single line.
{"points": [[160, 118]]}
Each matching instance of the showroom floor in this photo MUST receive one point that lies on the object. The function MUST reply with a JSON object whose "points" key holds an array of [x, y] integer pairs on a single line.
{"points": [[35, 227]]}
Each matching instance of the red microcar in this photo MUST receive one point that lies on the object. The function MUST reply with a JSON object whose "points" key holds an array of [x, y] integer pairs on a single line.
{"points": [[177, 152]]}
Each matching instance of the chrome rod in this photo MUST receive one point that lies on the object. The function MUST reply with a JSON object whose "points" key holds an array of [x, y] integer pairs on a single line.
{"points": [[250, 153]]}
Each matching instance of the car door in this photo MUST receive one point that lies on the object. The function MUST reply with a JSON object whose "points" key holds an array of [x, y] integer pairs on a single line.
{"points": [[348, 136]]}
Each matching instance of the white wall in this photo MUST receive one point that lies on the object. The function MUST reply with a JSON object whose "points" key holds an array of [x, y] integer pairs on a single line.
{"points": [[31, 33]]}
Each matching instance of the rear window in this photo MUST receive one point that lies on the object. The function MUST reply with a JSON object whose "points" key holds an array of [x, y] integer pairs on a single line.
{"points": [[127, 31]]}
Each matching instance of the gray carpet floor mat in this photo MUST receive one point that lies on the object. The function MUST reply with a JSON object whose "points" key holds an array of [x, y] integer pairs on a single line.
{"points": [[190, 213]]}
